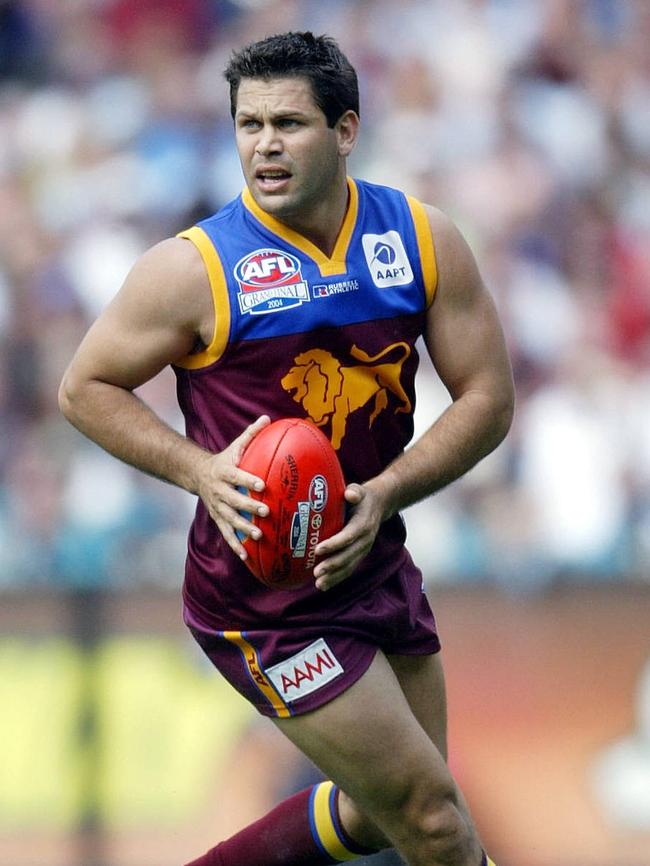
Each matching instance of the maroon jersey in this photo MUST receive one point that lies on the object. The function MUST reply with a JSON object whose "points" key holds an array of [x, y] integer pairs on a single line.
{"points": [[300, 334]]}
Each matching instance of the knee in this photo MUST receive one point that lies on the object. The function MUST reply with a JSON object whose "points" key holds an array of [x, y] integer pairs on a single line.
{"points": [[434, 827], [440, 822]]}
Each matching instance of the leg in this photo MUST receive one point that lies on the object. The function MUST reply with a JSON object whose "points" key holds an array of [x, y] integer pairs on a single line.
{"points": [[303, 830], [371, 743], [422, 681]]}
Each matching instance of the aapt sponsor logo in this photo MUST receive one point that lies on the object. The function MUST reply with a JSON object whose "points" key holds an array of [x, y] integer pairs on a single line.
{"points": [[303, 673], [270, 280], [387, 260]]}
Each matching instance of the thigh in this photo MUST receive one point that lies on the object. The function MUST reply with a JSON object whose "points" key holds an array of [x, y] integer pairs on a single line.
{"points": [[370, 743], [422, 681]]}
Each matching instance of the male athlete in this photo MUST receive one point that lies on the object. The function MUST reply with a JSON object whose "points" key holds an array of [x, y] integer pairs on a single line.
{"points": [[305, 297]]}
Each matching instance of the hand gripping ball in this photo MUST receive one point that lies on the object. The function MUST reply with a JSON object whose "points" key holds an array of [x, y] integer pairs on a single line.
{"points": [[304, 493]]}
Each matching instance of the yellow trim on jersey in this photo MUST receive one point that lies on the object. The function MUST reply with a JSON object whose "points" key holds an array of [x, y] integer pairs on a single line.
{"points": [[324, 824], [256, 671], [219, 290], [328, 266], [426, 247], [490, 862]]}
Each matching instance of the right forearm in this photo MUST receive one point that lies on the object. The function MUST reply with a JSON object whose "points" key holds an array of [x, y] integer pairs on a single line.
{"points": [[118, 421]]}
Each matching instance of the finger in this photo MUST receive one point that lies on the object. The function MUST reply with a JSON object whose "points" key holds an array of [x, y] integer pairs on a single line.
{"points": [[354, 494], [334, 569], [250, 433], [332, 580], [232, 540], [239, 498], [246, 481], [342, 560], [353, 530], [236, 529], [336, 575], [241, 517], [235, 477], [339, 541]]}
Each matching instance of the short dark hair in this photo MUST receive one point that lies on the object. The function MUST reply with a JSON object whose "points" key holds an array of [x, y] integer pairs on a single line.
{"points": [[316, 58]]}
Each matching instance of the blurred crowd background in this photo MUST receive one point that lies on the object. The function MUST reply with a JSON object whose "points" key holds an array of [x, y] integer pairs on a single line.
{"points": [[526, 121]]}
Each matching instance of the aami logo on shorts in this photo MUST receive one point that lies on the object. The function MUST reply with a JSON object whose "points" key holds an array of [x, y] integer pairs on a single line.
{"points": [[270, 280], [387, 260], [308, 670]]}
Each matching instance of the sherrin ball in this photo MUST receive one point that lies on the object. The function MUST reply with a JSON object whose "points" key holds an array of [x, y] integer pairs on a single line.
{"points": [[304, 488]]}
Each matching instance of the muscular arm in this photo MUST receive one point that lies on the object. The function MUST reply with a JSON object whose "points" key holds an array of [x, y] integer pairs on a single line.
{"points": [[155, 319], [466, 344], [152, 321]]}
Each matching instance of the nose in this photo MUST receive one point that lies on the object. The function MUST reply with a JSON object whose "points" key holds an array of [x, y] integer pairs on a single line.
{"points": [[268, 141]]}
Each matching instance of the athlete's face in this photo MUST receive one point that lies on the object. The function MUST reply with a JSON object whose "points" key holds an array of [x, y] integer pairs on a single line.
{"points": [[291, 159]]}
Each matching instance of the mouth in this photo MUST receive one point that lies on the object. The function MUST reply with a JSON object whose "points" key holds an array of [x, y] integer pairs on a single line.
{"points": [[272, 179]]}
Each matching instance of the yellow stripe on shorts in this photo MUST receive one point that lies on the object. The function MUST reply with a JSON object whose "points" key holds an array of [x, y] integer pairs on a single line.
{"points": [[256, 672], [323, 824]]}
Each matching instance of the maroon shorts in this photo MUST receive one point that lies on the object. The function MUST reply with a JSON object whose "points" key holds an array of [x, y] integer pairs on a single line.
{"points": [[286, 672]]}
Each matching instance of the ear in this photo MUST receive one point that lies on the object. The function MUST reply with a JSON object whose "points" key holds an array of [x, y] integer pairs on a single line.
{"points": [[347, 131]]}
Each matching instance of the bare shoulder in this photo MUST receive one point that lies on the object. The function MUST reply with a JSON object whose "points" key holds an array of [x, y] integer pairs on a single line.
{"points": [[463, 333], [163, 310], [170, 259], [458, 272], [170, 281]]}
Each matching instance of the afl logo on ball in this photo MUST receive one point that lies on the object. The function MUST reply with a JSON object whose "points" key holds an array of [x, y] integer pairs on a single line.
{"points": [[318, 493], [269, 280]]}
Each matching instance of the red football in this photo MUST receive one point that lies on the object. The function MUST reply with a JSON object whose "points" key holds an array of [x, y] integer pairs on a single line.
{"points": [[304, 493]]}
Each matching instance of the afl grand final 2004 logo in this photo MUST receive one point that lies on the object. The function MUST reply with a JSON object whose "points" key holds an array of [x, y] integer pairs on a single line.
{"points": [[270, 280]]}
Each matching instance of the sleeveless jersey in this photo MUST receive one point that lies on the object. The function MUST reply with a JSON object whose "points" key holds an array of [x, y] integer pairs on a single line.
{"points": [[300, 334]]}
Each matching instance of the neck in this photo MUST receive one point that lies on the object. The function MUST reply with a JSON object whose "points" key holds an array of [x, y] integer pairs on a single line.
{"points": [[319, 223], [322, 223]]}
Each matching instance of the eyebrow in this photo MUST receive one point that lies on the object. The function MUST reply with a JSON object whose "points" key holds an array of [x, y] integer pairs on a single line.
{"points": [[279, 114]]}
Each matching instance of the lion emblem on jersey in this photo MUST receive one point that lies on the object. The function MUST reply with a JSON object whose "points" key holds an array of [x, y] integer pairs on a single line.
{"points": [[329, 391]]}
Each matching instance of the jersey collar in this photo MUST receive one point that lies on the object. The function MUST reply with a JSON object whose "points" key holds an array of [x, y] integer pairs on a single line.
{"points": [[328, 266]]}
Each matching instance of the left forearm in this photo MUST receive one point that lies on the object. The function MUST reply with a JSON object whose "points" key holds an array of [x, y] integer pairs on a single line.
{"points": [[469, 429]]}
